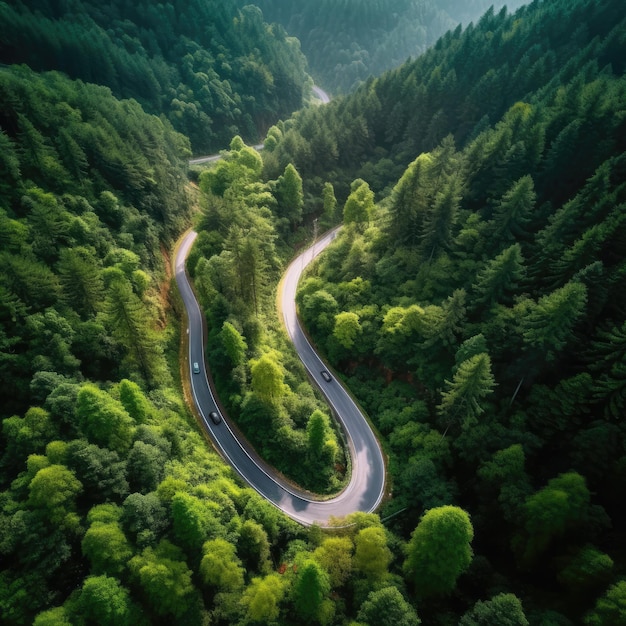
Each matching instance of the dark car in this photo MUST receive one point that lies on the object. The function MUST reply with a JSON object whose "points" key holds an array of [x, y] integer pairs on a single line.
{"points": [[215, 418], [326, 376]]}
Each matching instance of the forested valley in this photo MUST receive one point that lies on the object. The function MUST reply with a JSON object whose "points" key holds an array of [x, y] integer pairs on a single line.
{"points": [[347, 41], [473, 302], [212, 70]]}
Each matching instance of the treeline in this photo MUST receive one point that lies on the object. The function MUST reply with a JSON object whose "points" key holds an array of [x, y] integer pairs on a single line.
{"points": [[347, 42], [212, 69], [461, 86], [478, 312]]}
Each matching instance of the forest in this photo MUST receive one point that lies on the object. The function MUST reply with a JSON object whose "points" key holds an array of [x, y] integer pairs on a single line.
{"points": [[347, 42], [473, 303], [214, 71]]}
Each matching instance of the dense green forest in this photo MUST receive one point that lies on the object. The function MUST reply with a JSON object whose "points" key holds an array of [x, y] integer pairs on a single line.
{"points": [[473, 302], [477, 310], [461, 86], [244, 226], [347, 42], [213, 70]]}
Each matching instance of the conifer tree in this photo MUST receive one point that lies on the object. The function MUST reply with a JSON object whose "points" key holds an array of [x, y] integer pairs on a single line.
{"points": [[463, 398], [513, 211], [131, 326], [289, 196], [548, 326], [499, 278]]}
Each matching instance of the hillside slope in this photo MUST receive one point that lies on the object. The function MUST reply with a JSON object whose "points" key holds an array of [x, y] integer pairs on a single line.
{"points": [[213, 70], [347, 42]]}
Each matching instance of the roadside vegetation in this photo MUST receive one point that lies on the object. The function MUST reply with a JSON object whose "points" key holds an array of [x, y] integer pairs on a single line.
{"points": [[237, 260], [473, 302]]}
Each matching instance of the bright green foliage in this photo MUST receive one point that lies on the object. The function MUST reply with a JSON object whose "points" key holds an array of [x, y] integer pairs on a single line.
{"points": [[26, 435], [105, 600], [267, 378], [462, 400], [103, 420], [253, 547], [610, 609], [387, 607], [359, 207], [53, 617], [240, 166], [371, 555], [488, 235], [322, 442], [319, 310], [335, 556], [289, 196], [330, 203], [135, 402], [234, 344], [410, 200], [164, 578], [505, 609], [261, 599], [310, 590], [347, 328], [439, 550], [506, 465], [220, 566], [194, 521], [54, 490], [107, 548], [317, 429], [470, 347]]}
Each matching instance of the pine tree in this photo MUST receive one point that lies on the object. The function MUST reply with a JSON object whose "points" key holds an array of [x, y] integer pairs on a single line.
{"points": [[131, 326], [548, 327], [289, 196], [463, 398], [513, 211], [499, 278], [81, 281]]}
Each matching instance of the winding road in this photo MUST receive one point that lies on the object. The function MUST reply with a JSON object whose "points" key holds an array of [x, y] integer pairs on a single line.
{"points": [[366, 487]]}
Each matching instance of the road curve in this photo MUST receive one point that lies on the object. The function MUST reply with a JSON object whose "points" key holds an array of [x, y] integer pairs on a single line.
{"points": [[321, 94], [211, 158], [366, 487]]}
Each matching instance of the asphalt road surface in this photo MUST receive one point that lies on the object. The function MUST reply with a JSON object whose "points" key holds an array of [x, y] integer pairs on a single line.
{"points": [[366, 487]]}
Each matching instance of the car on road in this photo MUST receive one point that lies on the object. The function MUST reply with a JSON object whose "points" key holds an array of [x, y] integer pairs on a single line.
{"points": [[196, 368], [215, 418], [326, 376]]}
